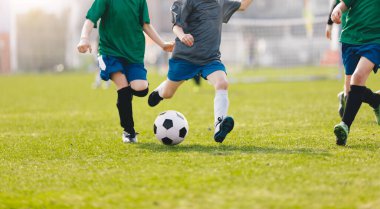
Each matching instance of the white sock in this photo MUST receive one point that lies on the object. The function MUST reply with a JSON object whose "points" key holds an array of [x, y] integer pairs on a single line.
{"points": [[160, 88], [221, 104]]}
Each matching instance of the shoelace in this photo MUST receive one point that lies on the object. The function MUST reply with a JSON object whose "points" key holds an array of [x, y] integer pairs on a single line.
{"points": [[129, 135], [220, 119]]}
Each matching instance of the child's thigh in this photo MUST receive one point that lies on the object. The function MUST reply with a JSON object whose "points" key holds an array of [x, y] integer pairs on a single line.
{"points": [[136, 72], [352, 54], [109, 65], [171, 87], [214, 72], [119, 79], [372, 53], [350, 58], [181, 70], [362, 71], [217, 76]]}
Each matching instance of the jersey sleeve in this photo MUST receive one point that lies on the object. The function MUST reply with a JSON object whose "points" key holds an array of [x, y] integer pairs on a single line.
{"points": [[180, 10], [96, 11], [229, 8], [348, 2], [144, 13]]}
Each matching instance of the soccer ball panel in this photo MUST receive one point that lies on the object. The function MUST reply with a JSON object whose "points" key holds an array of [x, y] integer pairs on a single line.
{"points": [[167, 141], [182, 132], [168, 123]]}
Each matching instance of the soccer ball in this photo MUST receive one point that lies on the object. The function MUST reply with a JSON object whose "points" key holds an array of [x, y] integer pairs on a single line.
{"points": [[170, 127]]}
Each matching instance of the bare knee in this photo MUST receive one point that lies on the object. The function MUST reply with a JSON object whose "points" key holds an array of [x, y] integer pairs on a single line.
{"points": [[221, 84], [139, 85], [362, 71], [139, 88], [358, 79]]}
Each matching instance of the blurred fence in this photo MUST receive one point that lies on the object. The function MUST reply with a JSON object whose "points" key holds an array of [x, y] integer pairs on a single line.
{"points": [[271, 33], [275, 42]]}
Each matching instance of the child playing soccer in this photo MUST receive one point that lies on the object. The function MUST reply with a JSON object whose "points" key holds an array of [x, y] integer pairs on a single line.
{"points": [[198, 26], [342, 96], [361, 55], [121, 51]]}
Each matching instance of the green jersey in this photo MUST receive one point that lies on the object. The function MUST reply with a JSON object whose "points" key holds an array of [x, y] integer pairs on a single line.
{"points": [[121, 27], [363, 22]]}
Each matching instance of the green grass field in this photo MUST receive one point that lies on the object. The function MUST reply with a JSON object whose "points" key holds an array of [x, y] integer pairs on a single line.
{"points": [[60, 147]]}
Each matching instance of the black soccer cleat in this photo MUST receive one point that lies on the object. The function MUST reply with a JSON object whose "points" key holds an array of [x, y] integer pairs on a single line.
{"points": [[154, 99], [222, 128], [129, 138], [341, 131]]}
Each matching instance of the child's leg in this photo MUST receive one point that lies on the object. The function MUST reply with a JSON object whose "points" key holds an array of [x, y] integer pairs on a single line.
{"points": [[371, 98], [358, 89], [347, 83], [169, 88], [124, 102], [221, 103], [179, 71], [223, 123], [139, 88], [165, 90], [342, 96]]}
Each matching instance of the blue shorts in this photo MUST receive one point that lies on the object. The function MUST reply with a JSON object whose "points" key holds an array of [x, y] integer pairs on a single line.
{"points": [[351, 55], [109, 64], [180, 70]]}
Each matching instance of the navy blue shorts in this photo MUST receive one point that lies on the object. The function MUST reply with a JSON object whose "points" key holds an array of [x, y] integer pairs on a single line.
{"points": [[180, 70], [351, 55], [109, 64]]}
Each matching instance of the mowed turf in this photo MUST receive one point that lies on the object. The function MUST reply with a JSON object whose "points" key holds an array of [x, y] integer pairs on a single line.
{"points": [[60, 147]]}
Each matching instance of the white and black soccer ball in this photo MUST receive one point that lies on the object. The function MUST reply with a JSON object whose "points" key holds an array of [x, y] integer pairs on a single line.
{"points": [[170, 127]]}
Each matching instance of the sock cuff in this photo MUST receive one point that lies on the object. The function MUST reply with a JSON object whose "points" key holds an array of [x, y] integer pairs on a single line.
{"points": [[355, 88], [221, 92], [124, 90], [141, 93], [160, 88]]}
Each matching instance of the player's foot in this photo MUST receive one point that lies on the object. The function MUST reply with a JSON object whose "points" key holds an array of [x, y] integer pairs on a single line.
{"points": [[342, 103], [129, 138], [341, 132], [222, 128], [154, 99]]}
